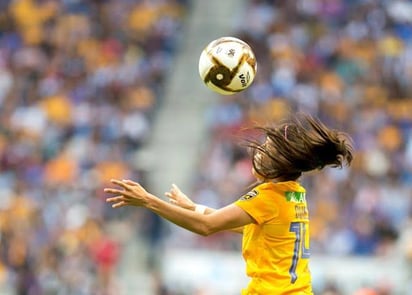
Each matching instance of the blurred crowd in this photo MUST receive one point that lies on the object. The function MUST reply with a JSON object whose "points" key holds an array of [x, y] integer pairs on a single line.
{"points": [[348, 62], [79, 84]]}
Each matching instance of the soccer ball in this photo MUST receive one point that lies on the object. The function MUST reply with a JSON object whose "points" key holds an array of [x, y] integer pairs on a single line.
{"points": [[227, 65]]}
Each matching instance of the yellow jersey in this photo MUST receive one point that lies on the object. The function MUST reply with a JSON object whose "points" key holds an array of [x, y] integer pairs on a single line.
{"points": [[276, 247]]}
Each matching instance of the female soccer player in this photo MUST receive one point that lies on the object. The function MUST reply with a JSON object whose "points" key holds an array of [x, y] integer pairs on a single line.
{"points": [[273, 216]]}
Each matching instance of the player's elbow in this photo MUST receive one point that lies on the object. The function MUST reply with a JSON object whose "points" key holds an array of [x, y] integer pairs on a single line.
{"points": [[205, 233], [207, 229]]}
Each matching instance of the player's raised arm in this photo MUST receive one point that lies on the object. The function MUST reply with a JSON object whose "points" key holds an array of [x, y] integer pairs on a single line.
{"points": [[129, 193], [178, 198]]}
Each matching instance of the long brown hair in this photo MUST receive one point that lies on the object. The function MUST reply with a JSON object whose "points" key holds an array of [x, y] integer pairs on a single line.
{"points": [[300, 144]]}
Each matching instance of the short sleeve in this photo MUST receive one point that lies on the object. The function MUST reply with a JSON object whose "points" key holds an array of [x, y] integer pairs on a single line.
{"points": [[260, 203]]}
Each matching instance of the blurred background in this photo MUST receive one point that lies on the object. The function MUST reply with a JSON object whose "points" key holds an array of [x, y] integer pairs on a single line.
{"points": [[99, 89]]}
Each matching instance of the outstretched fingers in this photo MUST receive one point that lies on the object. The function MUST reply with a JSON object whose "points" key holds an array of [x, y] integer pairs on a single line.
{"points": [[173, 194], [124, 184], [129, 185], [176, 190], [130, 182], [177, 197], [127, 193], [118, 201], [119, 204], [172, 197], [121, 195]]}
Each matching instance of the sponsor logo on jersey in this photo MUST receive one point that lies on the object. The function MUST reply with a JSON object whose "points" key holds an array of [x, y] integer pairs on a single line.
{"points": [[296, 197], [249, 195], [301, 212]]}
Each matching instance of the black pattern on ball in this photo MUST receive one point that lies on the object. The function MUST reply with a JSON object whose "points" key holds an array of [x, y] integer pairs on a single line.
{"points": [[219, 76]]}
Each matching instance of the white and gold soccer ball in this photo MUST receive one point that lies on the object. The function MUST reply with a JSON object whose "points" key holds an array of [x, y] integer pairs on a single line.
{"points": [[227, 65]]}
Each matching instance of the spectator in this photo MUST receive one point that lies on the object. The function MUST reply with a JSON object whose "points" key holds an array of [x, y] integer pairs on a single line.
{"points": [[65, 67]]}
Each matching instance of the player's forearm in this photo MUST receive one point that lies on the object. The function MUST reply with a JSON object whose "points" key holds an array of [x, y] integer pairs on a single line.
{"points": [[188, 219]]}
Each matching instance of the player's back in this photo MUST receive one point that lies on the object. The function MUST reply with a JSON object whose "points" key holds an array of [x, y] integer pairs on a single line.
{"points": [[276, 248]]}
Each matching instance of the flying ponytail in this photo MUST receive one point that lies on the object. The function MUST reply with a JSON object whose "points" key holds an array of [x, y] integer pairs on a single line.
{"points": [[300, 144]]}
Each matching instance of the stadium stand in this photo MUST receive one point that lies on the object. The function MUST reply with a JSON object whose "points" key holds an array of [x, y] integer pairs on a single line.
{"points": [[80, 82], [82, 90]]}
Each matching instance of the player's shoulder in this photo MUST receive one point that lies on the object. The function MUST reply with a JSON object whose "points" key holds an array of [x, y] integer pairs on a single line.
{"points": [[270, 189], [265, 189]]}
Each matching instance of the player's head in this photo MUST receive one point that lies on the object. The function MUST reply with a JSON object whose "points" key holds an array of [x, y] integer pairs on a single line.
{"points": [[299, 144]]}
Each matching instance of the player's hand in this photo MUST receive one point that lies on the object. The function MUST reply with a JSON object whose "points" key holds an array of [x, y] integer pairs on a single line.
{"points": [[178, 198], [129, 193]]}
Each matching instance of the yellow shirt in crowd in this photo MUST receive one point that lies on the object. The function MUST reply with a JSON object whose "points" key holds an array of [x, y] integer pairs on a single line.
{"points": [[276, 247]]}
